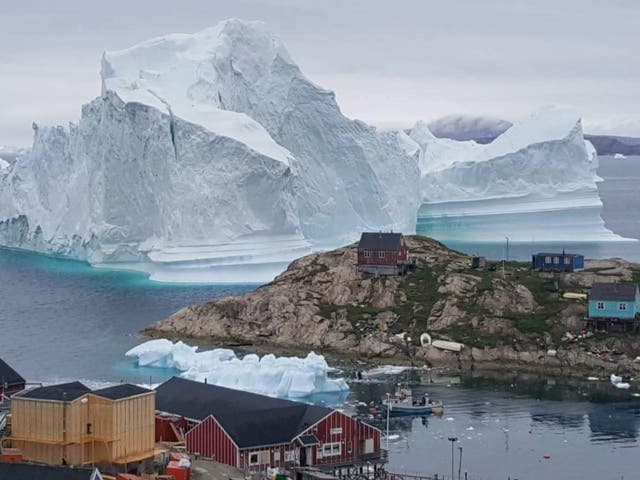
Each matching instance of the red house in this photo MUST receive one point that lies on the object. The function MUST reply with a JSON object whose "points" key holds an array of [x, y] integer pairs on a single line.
{"points": [[10, 380], [382, 253], [253, 432]]}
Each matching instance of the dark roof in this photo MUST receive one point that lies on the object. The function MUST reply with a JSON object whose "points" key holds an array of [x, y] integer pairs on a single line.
{"points": [[308, 440], [557, 254], [65, 392], [8, 375], [625, 292], [251, 420], [30, 471], [380, 241], [121, 391]]}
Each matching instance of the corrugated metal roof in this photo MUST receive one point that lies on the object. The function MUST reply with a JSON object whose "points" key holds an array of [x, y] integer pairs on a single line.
{"points": [[251, 420], [380, 241], [625, 292]]}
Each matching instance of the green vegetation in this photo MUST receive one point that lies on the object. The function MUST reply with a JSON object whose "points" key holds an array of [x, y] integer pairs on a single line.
{"points": [[636, 276], [421, 293], [326, 310]]}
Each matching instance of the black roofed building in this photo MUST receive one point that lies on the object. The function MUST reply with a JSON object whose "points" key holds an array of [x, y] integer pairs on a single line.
{"points": [[32, 471], [382, 253], [253, 432], [10, 380]]}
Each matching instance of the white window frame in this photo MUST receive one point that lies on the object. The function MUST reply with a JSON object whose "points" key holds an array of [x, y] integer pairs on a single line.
{"points": [[382, 254], [276, 455], [289, 455], [622, 307], [547, 259], [556, 260], [367, 253], [567, 260], [251, 462], [332, 449], [600, 305]]}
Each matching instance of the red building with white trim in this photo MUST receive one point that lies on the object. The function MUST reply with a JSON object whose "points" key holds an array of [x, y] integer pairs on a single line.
{"points": [[253, 432], [382, 253]]}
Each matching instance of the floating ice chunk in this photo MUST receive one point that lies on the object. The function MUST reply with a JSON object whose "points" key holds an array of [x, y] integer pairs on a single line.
{"points": [[619, 156], [615, 379], [622, 385], [449, 419], [290, 377], [593, 379], [470, 428]]}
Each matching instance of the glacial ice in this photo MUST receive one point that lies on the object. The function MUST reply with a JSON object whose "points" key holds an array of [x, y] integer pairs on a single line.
{"points": [[205, 156], [286, 377], [210, 157], [541, 165]]}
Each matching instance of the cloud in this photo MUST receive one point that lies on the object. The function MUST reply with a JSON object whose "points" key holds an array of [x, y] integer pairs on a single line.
{"points": [[388, 63]]}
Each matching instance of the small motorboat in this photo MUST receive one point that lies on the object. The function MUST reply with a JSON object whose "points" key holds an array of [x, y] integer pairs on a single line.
{"points": [[402, 402]]}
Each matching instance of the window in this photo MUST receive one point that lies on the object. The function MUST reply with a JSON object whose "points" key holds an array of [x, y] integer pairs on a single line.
{"points": [[556, 260], [367, 253], [290, 456], [381, 254], [600, 305], [547, 259], [622, 306], [276, 456], [89, 429], [332, 449], [254, 459], [567, 261]]}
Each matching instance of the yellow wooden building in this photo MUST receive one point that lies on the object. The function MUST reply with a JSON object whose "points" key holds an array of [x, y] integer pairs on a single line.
{"points": [[69, 423]]}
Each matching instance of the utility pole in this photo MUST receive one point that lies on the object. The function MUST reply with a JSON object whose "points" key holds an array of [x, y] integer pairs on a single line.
{"points": [[460, 462], [453, 440], [388, 411], [507, 248]]}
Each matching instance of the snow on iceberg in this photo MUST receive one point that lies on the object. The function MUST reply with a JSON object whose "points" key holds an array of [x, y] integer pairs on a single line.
{"points": [[206, 155], [541, 166], [287, 377]]}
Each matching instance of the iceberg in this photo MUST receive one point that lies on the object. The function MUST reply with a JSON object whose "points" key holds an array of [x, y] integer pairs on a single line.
{"points": [[206, 156], [285, 377], [537, 180]]}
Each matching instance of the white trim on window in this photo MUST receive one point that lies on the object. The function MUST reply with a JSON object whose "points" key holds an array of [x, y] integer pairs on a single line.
{"points": [[381, 254], [600, 305], [333, 449], [367, 253], [256, 456], [622, 307]]}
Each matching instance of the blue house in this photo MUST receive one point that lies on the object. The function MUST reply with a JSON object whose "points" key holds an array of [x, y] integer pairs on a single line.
{"points": [[614, 303], [557, 262]]}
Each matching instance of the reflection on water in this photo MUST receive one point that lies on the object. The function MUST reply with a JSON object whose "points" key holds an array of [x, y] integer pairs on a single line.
{"points": [[507, 424]]}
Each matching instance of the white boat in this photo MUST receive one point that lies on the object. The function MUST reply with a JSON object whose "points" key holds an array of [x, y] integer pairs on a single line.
{"points": [[402, 402]]}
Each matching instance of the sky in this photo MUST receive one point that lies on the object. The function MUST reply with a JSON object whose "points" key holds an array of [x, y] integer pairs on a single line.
{"points": [[390, 62]]}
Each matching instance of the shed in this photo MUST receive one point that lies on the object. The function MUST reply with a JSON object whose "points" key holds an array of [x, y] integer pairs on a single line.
{"points": [[619, 301], [382, 253], [10, 380], [32, 471], [557, 262], [253, 432], [113, 425]]}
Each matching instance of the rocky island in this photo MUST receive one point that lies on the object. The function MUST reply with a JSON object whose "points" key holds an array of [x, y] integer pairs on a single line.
{"points": [[509, 317]]}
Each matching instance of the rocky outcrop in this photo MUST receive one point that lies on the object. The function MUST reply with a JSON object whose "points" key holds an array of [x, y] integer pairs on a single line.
{"points": [[502, 317]]}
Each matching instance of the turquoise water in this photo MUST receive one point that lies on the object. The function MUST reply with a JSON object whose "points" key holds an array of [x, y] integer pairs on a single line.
{"points": [[62, 319]]}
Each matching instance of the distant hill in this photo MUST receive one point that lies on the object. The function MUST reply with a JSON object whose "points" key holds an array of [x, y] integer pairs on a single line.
{"points": [[610, 145], [486, 129]]}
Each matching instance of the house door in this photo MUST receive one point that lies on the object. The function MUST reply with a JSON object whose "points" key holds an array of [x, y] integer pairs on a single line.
{"points": [[303, 457], [367, 446], [309, 455]]}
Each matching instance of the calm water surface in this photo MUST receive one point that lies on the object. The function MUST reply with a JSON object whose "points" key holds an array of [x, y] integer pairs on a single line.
{"points": [[62, 320]]}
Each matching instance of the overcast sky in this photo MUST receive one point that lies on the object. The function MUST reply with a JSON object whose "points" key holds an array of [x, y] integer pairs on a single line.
{"points": [[390, 62]]}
